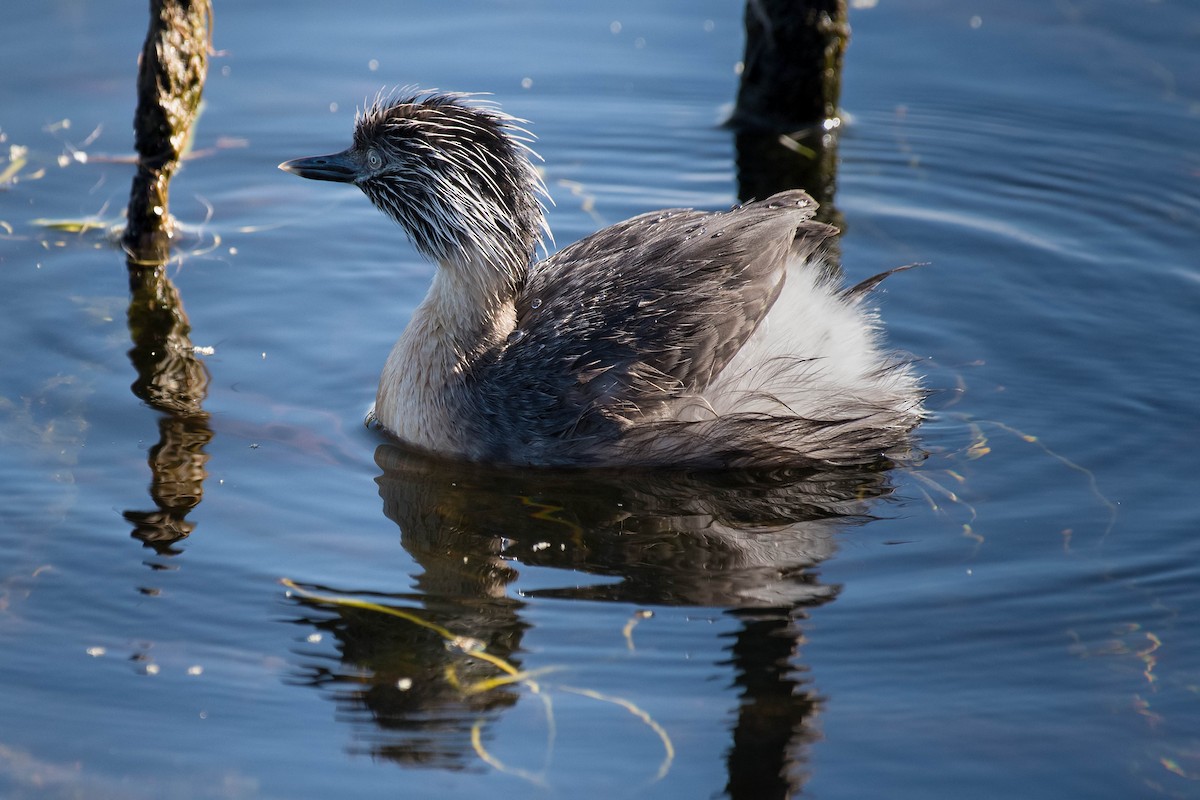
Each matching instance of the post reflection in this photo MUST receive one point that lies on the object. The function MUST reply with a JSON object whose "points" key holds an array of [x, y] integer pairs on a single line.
{"points": [[172, 379], [777, 707], [745, 543]]}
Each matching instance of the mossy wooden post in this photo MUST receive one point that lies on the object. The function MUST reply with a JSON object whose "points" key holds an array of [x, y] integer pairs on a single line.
{"points": [[787, 106], [792, 67], [171, 75]]}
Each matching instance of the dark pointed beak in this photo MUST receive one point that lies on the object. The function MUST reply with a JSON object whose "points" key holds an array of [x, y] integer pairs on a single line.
{"points": [[341, 167]]}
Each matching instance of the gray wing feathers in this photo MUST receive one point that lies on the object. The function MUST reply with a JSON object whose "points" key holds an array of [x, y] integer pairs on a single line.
{"points": [[642, 313]]}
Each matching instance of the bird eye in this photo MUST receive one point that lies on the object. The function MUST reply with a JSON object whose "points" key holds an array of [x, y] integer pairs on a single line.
{"points": [[374, 160]]}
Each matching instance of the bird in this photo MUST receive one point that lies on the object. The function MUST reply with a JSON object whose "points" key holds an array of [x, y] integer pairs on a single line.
{"points": [[678, 338]]}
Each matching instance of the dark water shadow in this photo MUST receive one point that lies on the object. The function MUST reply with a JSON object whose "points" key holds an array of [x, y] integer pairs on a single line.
{"points": [[746, 543]]}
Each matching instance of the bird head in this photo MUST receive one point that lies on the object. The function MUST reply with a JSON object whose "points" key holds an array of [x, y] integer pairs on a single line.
{"points": [[453, 171]]}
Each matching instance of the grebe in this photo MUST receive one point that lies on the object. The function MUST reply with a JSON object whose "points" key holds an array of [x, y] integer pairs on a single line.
{"points": [[676, 338]]}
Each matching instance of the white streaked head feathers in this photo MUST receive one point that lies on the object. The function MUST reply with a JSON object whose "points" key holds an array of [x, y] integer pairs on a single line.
{"points": [[455, 171]]}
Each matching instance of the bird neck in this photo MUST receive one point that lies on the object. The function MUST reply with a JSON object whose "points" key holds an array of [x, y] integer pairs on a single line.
{"points": [[468, 310], [424, 382]]}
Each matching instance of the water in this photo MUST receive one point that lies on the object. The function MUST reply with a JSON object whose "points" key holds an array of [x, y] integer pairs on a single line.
{"points": [[1018, 614]]}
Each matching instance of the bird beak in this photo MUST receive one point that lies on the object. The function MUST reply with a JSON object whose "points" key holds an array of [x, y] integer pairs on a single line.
{"points": [[341, 167]]}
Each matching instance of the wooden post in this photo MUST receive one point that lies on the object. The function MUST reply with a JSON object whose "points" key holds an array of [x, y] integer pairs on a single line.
{"points": [[171, 73], [792, 67], [787, 107]]}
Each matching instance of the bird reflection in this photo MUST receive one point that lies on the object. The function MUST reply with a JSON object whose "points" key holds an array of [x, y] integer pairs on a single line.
{"points": [[395, 673], [744, 542], [722, 538]]}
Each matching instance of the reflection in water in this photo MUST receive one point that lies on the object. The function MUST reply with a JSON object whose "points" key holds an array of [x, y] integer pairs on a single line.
{"points": [[746, 542], [398, 673], [170, 378], [775, 719], [772, 161], [734, 538]]}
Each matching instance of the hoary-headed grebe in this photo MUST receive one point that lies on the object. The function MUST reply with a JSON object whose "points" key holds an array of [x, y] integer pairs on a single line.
{"points": [[679, 337]]}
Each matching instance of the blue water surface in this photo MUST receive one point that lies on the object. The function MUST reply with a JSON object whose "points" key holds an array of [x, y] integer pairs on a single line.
{"points": [[1016, 614]]}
